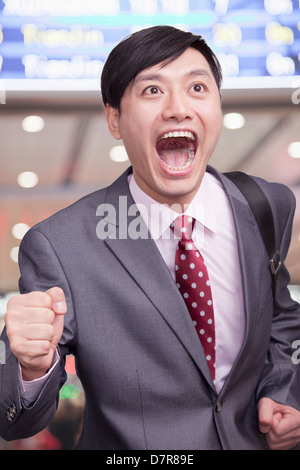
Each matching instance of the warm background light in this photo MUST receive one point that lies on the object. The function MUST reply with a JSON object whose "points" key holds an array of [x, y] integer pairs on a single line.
{"points": [[33, 124], [234, 121], [294, 150], [14, 253], [118, 154], [28, 179], [19, 230]]}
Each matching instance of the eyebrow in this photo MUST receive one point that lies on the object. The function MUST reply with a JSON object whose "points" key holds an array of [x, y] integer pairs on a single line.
{"points": [[144, 77]]}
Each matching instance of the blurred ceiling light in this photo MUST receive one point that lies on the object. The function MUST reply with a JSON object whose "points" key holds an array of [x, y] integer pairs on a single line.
{"points": [[28, 179], [118, 154], [233, 121], [14, 254], [294, 150], [19, 230], [33, 124]]}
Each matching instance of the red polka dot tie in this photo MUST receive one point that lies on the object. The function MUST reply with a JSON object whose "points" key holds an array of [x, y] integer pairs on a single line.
{"points": [[193, 283]]}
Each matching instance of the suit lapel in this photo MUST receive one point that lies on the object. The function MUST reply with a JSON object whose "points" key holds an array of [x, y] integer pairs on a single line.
{"points": [[251, 254], [144, 263]]}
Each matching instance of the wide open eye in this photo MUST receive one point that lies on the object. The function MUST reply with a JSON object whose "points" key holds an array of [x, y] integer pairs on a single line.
{"points": [[152, 90], [198, 88]]}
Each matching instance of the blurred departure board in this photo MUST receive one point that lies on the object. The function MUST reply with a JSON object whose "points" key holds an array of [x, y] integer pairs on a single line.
{"points": [[70, 39]]}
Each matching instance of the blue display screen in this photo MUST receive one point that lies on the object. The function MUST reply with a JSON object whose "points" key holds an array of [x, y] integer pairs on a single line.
{"points": [[70, 39]]}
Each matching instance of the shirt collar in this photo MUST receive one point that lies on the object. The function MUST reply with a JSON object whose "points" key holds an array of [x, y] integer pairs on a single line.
{"points": [[158, 217], [202, 207]]}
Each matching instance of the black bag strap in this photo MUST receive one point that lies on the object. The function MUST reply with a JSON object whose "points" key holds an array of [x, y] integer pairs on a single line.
{"points": [[263, 213]]}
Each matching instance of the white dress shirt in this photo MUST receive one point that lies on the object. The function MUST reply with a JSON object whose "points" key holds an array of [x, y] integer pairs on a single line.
{"points": [[215, 237]]}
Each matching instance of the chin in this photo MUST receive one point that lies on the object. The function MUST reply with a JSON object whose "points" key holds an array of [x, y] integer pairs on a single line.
{"points": [[178, 193]]}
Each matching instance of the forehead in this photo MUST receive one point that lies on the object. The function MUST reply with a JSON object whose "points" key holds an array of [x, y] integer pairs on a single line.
{"points": [[190, 62]]}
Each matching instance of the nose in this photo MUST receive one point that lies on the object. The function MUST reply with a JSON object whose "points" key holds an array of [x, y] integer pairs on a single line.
{"points": [[177, 107]]}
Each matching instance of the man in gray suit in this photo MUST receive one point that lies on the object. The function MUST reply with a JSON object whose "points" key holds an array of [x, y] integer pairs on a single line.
{"points": [[98, 281]]}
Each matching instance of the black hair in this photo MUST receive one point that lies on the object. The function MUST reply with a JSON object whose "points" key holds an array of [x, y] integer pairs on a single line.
{"points": [[145, 49]]}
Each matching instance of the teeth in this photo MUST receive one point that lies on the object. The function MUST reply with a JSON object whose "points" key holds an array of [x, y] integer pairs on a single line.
{"points": [[184, 167], [189, 135]]}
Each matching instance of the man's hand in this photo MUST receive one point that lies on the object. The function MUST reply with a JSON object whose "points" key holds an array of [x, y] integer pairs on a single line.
{"points": [[34, 324], [280, 423]]}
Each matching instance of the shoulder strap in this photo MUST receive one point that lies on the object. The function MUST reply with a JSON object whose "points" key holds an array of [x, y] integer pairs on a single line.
{"points": [[263, 213]]}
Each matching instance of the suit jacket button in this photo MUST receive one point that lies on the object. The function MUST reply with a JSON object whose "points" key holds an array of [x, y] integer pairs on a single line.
{"points": [[9, 415], [219, 405], [11, 412]]}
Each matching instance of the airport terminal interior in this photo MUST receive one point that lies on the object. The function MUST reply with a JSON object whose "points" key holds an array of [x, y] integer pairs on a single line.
{"points": [[54, 142]]}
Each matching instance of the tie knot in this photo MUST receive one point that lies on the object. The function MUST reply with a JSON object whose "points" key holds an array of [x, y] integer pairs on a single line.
{"points": [[183, 227]]}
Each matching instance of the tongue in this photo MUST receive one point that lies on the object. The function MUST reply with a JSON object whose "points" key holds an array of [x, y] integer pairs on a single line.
{"points": [[176, 157]]}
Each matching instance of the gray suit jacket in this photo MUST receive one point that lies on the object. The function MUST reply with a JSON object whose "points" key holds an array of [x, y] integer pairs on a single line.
{"points": [[141, 364]]}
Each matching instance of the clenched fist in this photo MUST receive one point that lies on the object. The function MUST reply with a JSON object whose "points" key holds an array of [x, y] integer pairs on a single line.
{"points": [[34, 326]]}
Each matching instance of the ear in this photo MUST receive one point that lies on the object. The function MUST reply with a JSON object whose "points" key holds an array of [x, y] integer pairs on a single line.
{"points": [[112, 117]]}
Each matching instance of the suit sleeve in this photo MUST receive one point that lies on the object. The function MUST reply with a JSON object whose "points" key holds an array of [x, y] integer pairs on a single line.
{"points": [[40, 270], [280, 379]]}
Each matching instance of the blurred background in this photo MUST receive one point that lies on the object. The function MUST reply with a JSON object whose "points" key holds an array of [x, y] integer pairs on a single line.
{"points": [[54, 142]]}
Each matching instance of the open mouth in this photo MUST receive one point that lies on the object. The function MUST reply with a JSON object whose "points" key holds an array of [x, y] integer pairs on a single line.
{"points": [[176, 149]]}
